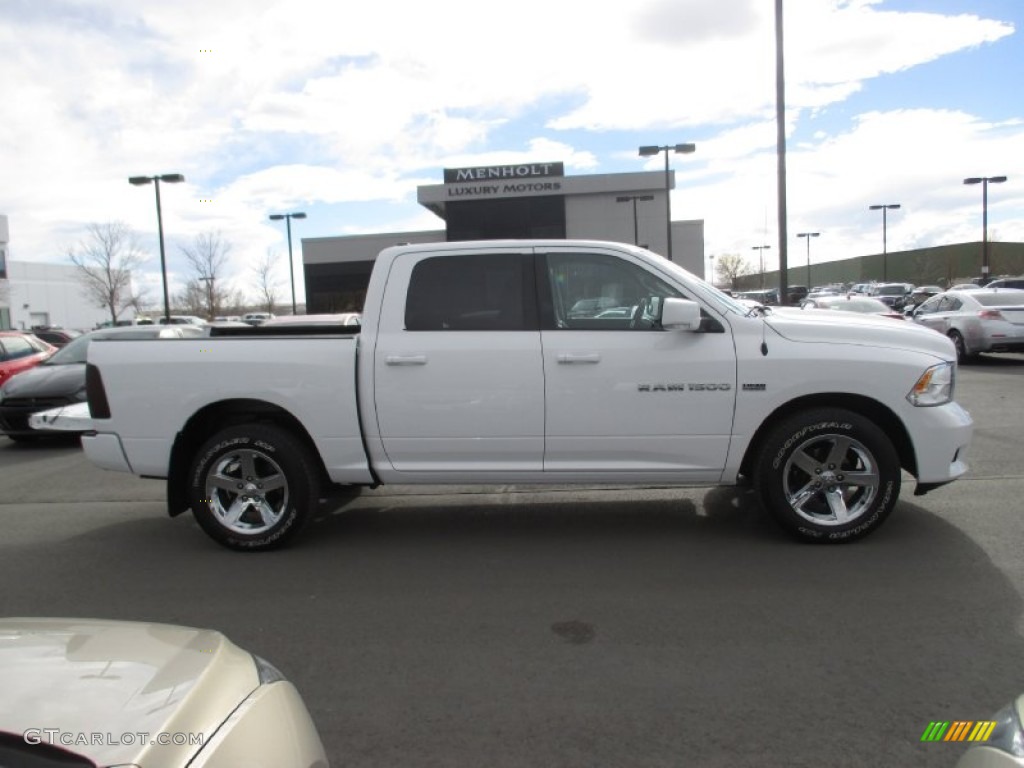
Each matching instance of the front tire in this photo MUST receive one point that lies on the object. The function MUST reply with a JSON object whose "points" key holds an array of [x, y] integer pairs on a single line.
{"points": [[253, 487], [828, 475]]}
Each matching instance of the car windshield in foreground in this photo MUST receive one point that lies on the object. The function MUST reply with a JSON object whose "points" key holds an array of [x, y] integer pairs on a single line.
{"points": [[1008, 297]]}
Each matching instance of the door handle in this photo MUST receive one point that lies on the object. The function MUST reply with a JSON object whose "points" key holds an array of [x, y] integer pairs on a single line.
{"points": [[406, 360], [569, 359]]}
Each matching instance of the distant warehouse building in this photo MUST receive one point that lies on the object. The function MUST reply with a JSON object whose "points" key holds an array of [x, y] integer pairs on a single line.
{"points": [[530, 200], [37, 294]]}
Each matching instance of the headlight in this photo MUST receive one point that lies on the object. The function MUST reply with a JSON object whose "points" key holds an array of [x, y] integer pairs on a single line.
{"points": [[935, 387], [1007, 735]]}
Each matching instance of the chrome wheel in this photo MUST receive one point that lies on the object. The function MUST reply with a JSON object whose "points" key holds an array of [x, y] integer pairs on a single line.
{"points": [[247, 491], [830, 480], [828, 474]]}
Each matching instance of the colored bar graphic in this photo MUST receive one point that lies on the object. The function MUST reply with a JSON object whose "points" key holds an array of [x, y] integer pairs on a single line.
{"points": [[959, 730], [982, 731], [934, 731]]}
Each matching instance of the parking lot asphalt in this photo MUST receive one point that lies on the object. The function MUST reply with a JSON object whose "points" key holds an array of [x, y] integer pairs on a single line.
{"points": [[575, 627]]}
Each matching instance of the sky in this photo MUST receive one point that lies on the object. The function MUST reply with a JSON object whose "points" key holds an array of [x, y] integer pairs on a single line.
{"points": [[341, 110]]}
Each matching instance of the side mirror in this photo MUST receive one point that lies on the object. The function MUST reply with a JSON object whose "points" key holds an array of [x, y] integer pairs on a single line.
{"points": [[680, 315]]}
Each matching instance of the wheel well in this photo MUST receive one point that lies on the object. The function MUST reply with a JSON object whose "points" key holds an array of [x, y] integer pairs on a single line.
{"points": [[881, 415], [212, 419]]}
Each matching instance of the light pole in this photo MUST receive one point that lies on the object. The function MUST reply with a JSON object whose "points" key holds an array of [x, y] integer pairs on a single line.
{"points": [[984, 181], [712, 280], [885, 208], [291, 268], [170, 178], [761, 249], [634, 198], [680, 149], [209, 295], [808, 236]]}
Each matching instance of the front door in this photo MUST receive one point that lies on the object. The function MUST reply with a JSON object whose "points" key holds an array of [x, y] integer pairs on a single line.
{"points": [[623, 396]]}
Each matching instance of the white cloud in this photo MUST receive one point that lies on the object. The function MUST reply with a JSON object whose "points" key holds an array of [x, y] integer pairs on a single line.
{"points": [[268, 105]]}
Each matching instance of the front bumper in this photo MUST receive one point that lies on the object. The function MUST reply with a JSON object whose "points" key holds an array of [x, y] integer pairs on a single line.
{"points": [[941, 437]]}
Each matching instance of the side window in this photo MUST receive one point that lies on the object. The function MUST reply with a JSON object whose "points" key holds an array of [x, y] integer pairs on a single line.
{"points": [[932, 305], [479, 292], [17, 347], [954, 305], [595, 291]]}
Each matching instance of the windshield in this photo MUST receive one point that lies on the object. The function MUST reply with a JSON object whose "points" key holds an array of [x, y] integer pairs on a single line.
{"points": [[72, 352], [705, 289]]}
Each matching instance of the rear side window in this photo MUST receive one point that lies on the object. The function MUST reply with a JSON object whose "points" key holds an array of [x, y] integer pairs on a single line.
{"points": [[479, 292], [1001, 299], [15, 347]]}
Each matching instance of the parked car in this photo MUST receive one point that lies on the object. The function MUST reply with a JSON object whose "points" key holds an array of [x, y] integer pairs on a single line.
{"points": [[21, 351], [864, 305], [257, 318], [797, 293], [185, 696], [1007, 282], [181, 320], [59, 380], [921, 294], [893, 294], [983, 320], [56, 337]]}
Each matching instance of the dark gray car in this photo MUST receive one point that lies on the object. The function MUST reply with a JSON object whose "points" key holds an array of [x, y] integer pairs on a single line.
{"points": [[59, 380]]}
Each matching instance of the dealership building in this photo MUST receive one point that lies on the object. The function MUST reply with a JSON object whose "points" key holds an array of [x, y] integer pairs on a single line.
{"points": [[530, 200]]}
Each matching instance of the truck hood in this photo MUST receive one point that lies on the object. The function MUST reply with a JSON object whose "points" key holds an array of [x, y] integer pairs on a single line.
{"points": [[85, 677], [833, 327]]}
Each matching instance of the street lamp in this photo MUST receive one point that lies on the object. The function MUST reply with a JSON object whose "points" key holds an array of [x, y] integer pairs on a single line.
{"points": [[291, 268], [885, 247], [679, 149], [634, 198], [209, 294], [808, 236], [984, 181], [761, 249], [170, 178]]}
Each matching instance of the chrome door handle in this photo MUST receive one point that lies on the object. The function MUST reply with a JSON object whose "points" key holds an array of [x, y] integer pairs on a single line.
{"points": [[406, 360], [567, 358]]}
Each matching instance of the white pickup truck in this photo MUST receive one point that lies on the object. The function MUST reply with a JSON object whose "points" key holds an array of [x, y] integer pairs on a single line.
{"points": [[568, 362]]}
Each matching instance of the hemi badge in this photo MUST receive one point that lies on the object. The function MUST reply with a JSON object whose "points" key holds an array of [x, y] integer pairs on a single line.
{"points": [[753, 387]]}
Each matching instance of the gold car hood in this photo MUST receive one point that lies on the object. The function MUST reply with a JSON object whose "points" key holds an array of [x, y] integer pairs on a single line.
{"points": [[111, 690]]}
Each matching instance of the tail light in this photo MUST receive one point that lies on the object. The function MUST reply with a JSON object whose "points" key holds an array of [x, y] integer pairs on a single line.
{"points": [[990, 314], [95, 393]]}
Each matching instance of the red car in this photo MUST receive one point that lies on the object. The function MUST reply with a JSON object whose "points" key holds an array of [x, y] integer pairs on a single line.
{"points": [[20, 351]]}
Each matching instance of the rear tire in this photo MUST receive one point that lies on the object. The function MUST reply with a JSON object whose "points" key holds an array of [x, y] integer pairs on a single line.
{"points": [[253, 487], [828, 475]]}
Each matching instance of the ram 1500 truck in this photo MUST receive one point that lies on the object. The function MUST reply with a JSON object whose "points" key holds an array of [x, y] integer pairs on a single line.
{"points": [[554, 361]]}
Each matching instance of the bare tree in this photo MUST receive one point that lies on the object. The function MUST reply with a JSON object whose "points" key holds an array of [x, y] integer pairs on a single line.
{"points": [[205, 292], [105, 260], [729, 266], [266, 281]]}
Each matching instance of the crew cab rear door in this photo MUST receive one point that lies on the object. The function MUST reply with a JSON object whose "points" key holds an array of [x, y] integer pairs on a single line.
{"points": [[624, 396], [458, 379]]}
